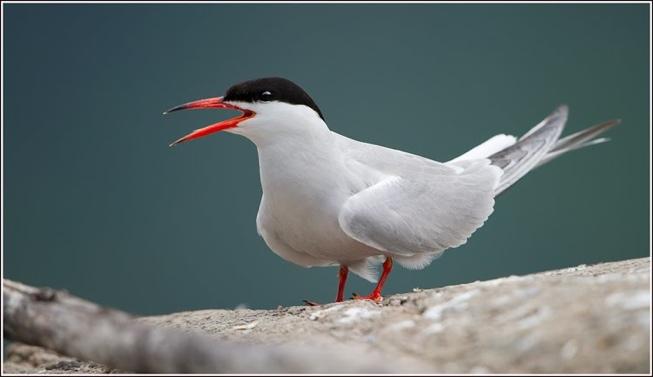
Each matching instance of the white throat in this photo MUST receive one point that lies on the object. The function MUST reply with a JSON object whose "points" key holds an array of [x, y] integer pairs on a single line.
{"points": [[279, 123]]}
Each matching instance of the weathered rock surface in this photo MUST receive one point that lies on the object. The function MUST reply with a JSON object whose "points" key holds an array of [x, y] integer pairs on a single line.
{"points": [[590, 319]]}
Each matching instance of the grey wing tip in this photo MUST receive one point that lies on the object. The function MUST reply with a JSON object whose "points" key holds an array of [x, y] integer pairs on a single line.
{"points": [[608, 124], [604, 126], [560, 114], [561, 111], [557, 118]]}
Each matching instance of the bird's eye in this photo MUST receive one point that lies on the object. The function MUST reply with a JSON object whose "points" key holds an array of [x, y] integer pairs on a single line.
{"points": [[266, 96]]}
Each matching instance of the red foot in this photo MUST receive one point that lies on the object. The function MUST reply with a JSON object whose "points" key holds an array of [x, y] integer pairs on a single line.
{"points": [[374, 296], [376, 293]]}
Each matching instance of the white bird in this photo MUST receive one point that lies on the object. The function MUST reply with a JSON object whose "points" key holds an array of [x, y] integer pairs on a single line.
{"points": [[329, 200]]}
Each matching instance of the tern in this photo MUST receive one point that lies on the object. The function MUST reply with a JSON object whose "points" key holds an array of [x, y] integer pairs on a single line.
{"points": [[329, 200]]}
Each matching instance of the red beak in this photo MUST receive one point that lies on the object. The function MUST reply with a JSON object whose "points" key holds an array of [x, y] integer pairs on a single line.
{"points": [[211, 103]]}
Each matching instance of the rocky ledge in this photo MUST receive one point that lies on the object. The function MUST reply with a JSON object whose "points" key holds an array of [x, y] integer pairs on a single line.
{"points": [[584, 319]]}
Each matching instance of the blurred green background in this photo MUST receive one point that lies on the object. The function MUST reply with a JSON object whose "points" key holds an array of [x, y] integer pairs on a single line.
{"points": [[95, 202]]}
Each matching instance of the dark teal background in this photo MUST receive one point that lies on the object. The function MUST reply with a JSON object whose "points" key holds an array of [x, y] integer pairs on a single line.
{"points": [[96, 202]]}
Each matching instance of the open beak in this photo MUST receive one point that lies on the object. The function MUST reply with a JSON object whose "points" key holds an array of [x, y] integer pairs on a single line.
{"points": [[211, 103]]}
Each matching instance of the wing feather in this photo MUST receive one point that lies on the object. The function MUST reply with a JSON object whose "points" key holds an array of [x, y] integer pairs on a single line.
{"points": [[491, 146], [423, 210], [519, 158]]}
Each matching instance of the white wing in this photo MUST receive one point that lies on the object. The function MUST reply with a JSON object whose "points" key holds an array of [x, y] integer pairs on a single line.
{"points": [[421, 206], [487, 148]]}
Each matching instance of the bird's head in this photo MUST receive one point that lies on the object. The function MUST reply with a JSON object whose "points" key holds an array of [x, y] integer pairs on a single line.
{"points": [[268, 106]]}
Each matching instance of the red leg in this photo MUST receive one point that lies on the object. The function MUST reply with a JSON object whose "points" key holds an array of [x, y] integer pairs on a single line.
{"points": [[342, 274], [376, 293]]}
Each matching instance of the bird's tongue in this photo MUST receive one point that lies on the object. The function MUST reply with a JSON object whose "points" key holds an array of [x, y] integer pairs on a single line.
{"points": [[210, 103]]}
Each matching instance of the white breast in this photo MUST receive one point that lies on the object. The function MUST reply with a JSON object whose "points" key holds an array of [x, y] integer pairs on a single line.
{"points": [[304, 188]]}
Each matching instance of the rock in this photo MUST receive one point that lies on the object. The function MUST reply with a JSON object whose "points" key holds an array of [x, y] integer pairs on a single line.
{"points": [[584, 319]]}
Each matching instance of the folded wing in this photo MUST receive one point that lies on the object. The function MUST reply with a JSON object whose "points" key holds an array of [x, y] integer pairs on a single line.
{"points": [[423, 209]]}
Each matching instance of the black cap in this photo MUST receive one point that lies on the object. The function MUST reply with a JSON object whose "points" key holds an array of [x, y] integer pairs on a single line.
{"points": [[271, 89]]}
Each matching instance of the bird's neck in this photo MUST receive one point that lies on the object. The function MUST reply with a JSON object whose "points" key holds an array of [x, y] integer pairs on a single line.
{"points": [[288, 164], [297, 148]]}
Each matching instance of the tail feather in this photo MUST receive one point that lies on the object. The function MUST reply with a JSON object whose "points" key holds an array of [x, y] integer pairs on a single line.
{"points": [[542, 144]]}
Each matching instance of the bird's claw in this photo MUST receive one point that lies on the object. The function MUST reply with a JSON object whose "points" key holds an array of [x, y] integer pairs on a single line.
{"points": [[374, 296], [311, 303]]}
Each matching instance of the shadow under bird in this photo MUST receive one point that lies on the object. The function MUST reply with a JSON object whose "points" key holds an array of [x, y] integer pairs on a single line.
{"points": [[329, 200]]}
